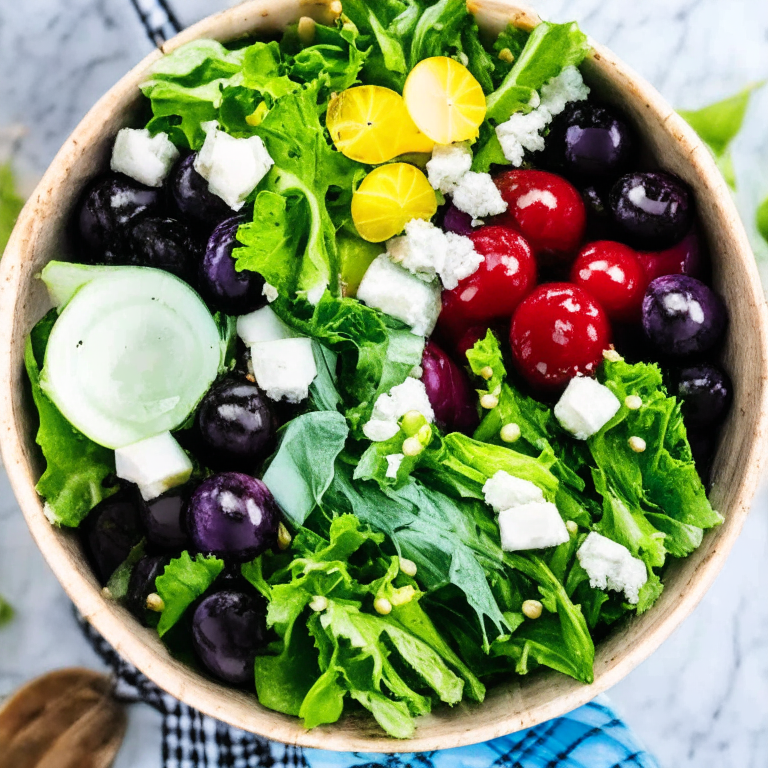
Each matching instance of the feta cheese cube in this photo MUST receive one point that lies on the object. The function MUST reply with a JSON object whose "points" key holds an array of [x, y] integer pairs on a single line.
{"points": [[269, 292], [521, 132], [394, 461], [611, 565], [461, 260], [477, 195], [426, 251], [147, 159], [531, 526], [568, 86], [263, 325], [284, 368], [396, 292], [585, 407], [232, 167], [421, 250], [448, 164], [156, 464], [504, 491], [411, 395]]}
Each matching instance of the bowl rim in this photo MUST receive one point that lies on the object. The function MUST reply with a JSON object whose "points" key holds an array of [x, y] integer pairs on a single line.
{"points": [[351, 734]]}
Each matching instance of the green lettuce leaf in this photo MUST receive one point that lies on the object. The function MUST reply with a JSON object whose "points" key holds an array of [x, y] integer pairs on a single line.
{"points": [[181, 583], [77, 470], [761, 220], [6, 612], [10, 204], [303, 466], [185, 89], [718, 125], [301, 253]]}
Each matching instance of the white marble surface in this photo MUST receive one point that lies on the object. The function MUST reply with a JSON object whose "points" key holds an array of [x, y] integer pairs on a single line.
{"points": [[702, 700]]}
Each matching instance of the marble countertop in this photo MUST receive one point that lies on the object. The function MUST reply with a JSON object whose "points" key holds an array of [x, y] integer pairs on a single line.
{"points": [[701, 701]]}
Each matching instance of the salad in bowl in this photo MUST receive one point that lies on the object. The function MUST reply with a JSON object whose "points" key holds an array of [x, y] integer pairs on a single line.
{"points": [[387, 368]]}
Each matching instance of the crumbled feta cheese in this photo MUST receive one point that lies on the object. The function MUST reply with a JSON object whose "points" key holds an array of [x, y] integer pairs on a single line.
{"points": [[396, 292], [461, 260], [421, 250], [448, 164], [426, 251], [585, 407], [566, 87], [269, 292], [411, 395], [504, 491], [156, 464], [263, 325], [147, 159], [232, 167], [521, 132], [284, 368], [531, 526], [477, 195], [610, 565], [315, 294], [394, 461]]}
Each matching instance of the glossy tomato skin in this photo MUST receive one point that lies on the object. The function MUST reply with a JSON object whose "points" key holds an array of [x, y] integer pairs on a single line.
{"points": [[546, 209], [684, 258], [612, 273], [558, 332], [503, 280]]}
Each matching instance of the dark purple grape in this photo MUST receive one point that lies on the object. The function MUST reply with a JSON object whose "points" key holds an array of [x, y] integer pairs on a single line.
{"points": [[653, 210], [111, 530], [457, 221], [449, 391], [233, 292], [159, 242], [142, 583], [703, 446], [590, 142], [164, 521], [600, 224], [191, 198], [682, 316], [236, 424], [233, 516], [228, 630], [706, 393], [106, 206]]}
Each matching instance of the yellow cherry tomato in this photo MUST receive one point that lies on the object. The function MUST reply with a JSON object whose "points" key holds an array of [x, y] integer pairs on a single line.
{"points": [[370, 124], [445, 100], [389, 197]]}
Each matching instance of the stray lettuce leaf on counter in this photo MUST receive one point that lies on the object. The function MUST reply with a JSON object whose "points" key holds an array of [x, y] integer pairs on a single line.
{"points": [[76, 468], [10, 204], [762, 220], [718, 125], [181, 583]]}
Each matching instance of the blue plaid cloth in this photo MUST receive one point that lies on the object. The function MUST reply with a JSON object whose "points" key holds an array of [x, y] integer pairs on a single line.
{"points": [[592, 736]]}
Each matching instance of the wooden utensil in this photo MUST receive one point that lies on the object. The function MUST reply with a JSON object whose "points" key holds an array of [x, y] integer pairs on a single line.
{"points": [[517, 702], [65, 719]]}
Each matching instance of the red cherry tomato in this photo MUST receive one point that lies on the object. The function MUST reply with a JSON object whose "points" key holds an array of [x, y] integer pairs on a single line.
{"points": [[558, 332], [468, 339], [546, 209], [502, 281], [612, 273], [681, 259]]}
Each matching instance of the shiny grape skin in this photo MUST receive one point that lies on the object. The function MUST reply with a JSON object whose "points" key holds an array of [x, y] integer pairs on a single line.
{"points": [[654, 211], [190, 198], [226, 289], [163, 519], [111, 530], [159, 242], [142, 583], [457, 221], [236, 425], [706, 393], [449, 391], [228, 629], [590, 143], [232, 516], [107, 205], [682, 316]]}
